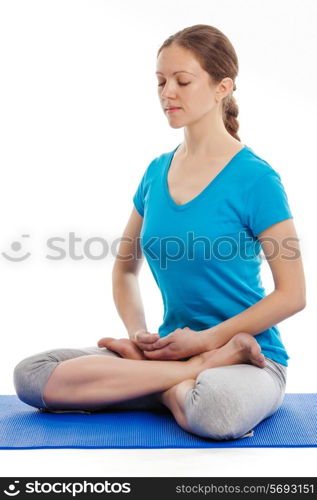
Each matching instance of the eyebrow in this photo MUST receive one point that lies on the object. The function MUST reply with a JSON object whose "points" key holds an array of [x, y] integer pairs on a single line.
{"points": [[181, 71]]}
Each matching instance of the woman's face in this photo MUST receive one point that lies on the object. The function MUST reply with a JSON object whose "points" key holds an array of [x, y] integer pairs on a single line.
{"points": [[183, 83]]}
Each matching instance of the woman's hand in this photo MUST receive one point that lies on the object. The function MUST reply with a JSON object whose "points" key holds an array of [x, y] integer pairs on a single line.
{"points": [[144, 340], [182, 343], [179, 344], [127, 348]]}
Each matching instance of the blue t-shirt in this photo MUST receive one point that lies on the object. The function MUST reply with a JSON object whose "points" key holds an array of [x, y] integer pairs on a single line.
{"points": [[204, 254]]}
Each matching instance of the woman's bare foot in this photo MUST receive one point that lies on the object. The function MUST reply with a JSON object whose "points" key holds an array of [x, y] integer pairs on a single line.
{"points": [[242, 348], [126, 348]]}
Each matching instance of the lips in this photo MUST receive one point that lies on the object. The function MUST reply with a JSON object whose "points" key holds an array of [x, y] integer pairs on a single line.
{"points": [[172, 107]]}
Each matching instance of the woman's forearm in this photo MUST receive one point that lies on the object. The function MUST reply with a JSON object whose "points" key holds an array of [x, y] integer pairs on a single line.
{"points": [[128, 301], [269, 311]]}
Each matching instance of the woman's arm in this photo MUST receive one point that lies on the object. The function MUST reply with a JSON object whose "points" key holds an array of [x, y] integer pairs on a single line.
{"points": [[281, 248], [125, 286], [127, 298]]}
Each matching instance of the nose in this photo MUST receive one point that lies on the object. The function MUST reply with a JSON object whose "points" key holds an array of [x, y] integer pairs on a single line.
{"points": [[168, 91]]}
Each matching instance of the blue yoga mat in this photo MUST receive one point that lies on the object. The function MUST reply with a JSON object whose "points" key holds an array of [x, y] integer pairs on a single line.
{"points": [[294, 424]]}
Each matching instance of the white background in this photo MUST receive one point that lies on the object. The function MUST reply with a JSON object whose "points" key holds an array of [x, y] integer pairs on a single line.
{"points": [[80, 121]]}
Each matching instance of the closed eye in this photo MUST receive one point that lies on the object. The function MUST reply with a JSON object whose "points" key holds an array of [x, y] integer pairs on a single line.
{"points": [[160, 84]]}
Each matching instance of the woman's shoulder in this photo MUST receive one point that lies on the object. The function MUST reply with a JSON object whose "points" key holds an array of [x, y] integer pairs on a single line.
{"points": [[254, 166], [163, 157], [155, 167]]}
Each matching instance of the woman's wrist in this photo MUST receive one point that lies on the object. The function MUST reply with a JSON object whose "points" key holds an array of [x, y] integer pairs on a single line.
{"points": [[207, 342], [133, 334]]}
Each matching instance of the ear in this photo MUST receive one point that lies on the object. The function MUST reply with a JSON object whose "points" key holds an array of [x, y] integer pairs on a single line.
{"points": [[224, 88]]}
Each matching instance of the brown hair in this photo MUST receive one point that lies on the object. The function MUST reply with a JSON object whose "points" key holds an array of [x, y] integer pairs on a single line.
{"points": [[217, 56]]}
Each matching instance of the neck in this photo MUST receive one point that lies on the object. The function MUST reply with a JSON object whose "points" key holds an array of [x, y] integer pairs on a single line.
{"points": [[207, 137]]}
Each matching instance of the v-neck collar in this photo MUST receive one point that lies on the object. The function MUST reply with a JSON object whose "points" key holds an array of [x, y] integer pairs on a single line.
{"points": [[211, 184]]}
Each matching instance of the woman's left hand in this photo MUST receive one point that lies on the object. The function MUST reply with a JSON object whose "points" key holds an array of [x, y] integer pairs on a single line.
{"points": [[179, 344]]}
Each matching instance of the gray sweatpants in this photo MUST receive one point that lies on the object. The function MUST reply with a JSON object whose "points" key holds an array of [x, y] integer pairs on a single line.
{"points": [[226, 402]]}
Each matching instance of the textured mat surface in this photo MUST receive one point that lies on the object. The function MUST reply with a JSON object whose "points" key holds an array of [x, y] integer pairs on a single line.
{"points": [[294, 424]]}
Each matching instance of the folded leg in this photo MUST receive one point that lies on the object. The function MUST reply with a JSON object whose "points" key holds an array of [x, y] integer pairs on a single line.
{"points": [[32, 373], [227, 402]]}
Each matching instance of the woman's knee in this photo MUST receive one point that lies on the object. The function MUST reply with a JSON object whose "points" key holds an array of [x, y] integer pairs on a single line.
{"points": [[213, 409], [31, 374], [24, 380]]}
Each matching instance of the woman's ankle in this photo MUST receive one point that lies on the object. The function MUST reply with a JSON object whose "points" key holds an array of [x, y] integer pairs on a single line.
{"points": [[194, 365]]}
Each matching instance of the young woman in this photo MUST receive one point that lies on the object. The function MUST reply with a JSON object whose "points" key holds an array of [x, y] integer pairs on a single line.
{"points": [[202, 212]]}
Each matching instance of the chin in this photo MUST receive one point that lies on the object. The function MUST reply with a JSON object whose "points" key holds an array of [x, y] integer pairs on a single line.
{"points": [[176, 125]]}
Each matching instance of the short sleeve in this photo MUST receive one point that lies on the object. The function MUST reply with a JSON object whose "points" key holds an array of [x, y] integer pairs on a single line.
{"points": [[138, 197], [267, 203]]}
